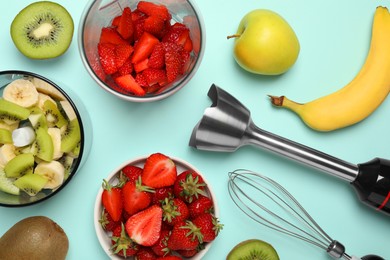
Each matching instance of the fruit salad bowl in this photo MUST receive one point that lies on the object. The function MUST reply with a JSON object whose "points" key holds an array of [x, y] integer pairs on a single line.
{"points": [[45, 138], [146, 194], [141, 51]]}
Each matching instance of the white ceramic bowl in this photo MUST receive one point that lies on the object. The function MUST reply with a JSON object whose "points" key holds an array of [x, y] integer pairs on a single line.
{"points": [[181, 166]]}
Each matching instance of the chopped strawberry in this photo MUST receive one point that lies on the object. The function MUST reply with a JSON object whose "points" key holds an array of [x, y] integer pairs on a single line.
{"points": [[208, 225], [94, 62], [157, 57], [128, 83], [110, 35], [144, 227], [161, 194], [173, 62], [154, 25], [139, 28], [152, 9], [141, 80], [174, 211], [200, 206], [122, 53], [125, 25], [106, 53], [170, 257], [106, 221], [126, 68], [188, 46], [189, 185], [159, 171], [141, 65], [137, 15], [112, 200], [144, 47], [160, 247], [178, 33], [153, 88], [136, 197], [115, 22], [184, 236], [132, 172], [122, 244], [155, 76]]}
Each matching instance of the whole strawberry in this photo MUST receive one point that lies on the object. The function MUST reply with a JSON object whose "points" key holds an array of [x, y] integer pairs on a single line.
{"points": [[208, 225], [188, 186], [106, 221], [122, 245], [174, 211], [184, 236], [160, 248], [199, 206]]}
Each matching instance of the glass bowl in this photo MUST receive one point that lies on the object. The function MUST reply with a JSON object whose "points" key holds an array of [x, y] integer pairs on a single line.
{"points": [[100, 13], [112, 178], [73, 164]]}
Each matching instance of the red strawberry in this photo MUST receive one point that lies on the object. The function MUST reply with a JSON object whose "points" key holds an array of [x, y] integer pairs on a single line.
{"points": [[139, 28], [199, 206], [110, 35], [125, 25], [106, 221], [116, 20], [137, 15], [141, 80], [170, 257], [122, 53], [174, 211], [132, 172], [128, 83], [141, 65], [160, 247], [106, 53], [144, 47], [161, 194], [136, 197], [126, 68], [144, 227], [157, 59], [188, 253], [153, 89], [155, 76], [152, 9], [154, 25], [178, 33], [184, 236], [112, 200], [189, 185], [122, 244], [145, 253], [159, 171], [173, 62], [208, 225]]}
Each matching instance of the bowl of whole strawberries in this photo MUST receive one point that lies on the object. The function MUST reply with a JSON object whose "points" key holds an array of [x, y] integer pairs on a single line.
{"points": [[141, 51], [156, 206]]}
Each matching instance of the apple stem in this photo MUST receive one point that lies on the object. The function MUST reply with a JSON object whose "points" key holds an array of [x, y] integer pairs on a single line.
{"points": [[233, 36]]}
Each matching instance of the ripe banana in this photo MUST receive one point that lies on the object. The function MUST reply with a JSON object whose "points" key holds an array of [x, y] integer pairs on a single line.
{"points": [[358, 99], [53, 171], [21, 92], [55, 134], [7, 153], [48, 89]]}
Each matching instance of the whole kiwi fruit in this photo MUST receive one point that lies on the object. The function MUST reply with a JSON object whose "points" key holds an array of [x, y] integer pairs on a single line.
{"points": [[34, 238]]}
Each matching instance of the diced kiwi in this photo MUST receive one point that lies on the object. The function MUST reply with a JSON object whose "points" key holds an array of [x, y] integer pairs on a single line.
{"points": [[5, 136], [53, 115], [71, 136], [253, 249], [43, 145], [42, 30], [31, 183], [11, 112], [20, 165], [6, 184]]}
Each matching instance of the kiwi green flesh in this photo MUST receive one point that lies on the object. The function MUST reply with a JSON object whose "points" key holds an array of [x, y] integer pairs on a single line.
{"points": [[53, 115], [37, 118], [44, 145], [253, 249], [31, 183], [5, 136], [6, 184], [12, 112], [42, 30], [71, 136], [20, 165]]}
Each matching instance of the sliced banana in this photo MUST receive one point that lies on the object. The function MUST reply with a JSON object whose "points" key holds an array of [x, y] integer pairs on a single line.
{"points": [[10, 127], [23, 136], [55, 134], [7, 153], [53, 171], [21, 92], [69, 111], [48, 89], [42, 98]]}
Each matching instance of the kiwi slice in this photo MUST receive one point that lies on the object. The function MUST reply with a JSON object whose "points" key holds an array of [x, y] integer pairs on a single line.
{"points": [[11, 112], [37, 118], [253, 249], [5, 136], [43, 145], [42, 30], [31, 183], [20, 165], [6, 184], [71, 136], [53, 115]]}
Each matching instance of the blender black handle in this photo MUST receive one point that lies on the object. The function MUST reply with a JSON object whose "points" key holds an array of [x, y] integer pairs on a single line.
{"points": [[372, 257], [372, 184]]}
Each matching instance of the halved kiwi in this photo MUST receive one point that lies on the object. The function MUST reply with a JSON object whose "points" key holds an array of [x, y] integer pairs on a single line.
{"points": [[42, 30], [253, 249]]}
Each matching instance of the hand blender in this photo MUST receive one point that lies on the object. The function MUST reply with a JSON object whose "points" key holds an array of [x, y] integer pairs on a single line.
{"points": [[227, 125]]}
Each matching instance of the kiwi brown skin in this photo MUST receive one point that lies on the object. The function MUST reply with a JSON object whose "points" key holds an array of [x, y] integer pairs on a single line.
{"points": [[36, 237], [56, 30], [253, 249]]}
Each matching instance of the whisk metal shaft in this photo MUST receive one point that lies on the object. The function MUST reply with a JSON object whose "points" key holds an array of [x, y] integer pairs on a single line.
{"points": [[246, 188]]}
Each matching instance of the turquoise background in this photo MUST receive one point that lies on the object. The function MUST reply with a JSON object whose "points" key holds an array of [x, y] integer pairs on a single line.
{"points": [[334, 37]]}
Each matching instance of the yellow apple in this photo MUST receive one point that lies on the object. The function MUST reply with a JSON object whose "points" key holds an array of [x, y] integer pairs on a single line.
{"points": [[265, 43]]}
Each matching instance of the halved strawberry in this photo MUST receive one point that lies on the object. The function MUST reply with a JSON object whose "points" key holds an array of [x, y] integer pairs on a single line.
{"points": [[110, 35], [144, 47], [128, 83], [173, 60], [136, 196], [156, 59], [106, 53], [122, 53], [144, 227], [125, 25], [159, 171], [155, 76], [150, 9], [112, 200]]}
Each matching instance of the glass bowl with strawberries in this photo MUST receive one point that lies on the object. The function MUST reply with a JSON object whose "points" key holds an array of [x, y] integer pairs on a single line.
{"points": [[141, 51], [156, 206]]}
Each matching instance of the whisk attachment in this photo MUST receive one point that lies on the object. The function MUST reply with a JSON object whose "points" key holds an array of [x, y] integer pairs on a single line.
{"points": [[270, 204]]}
